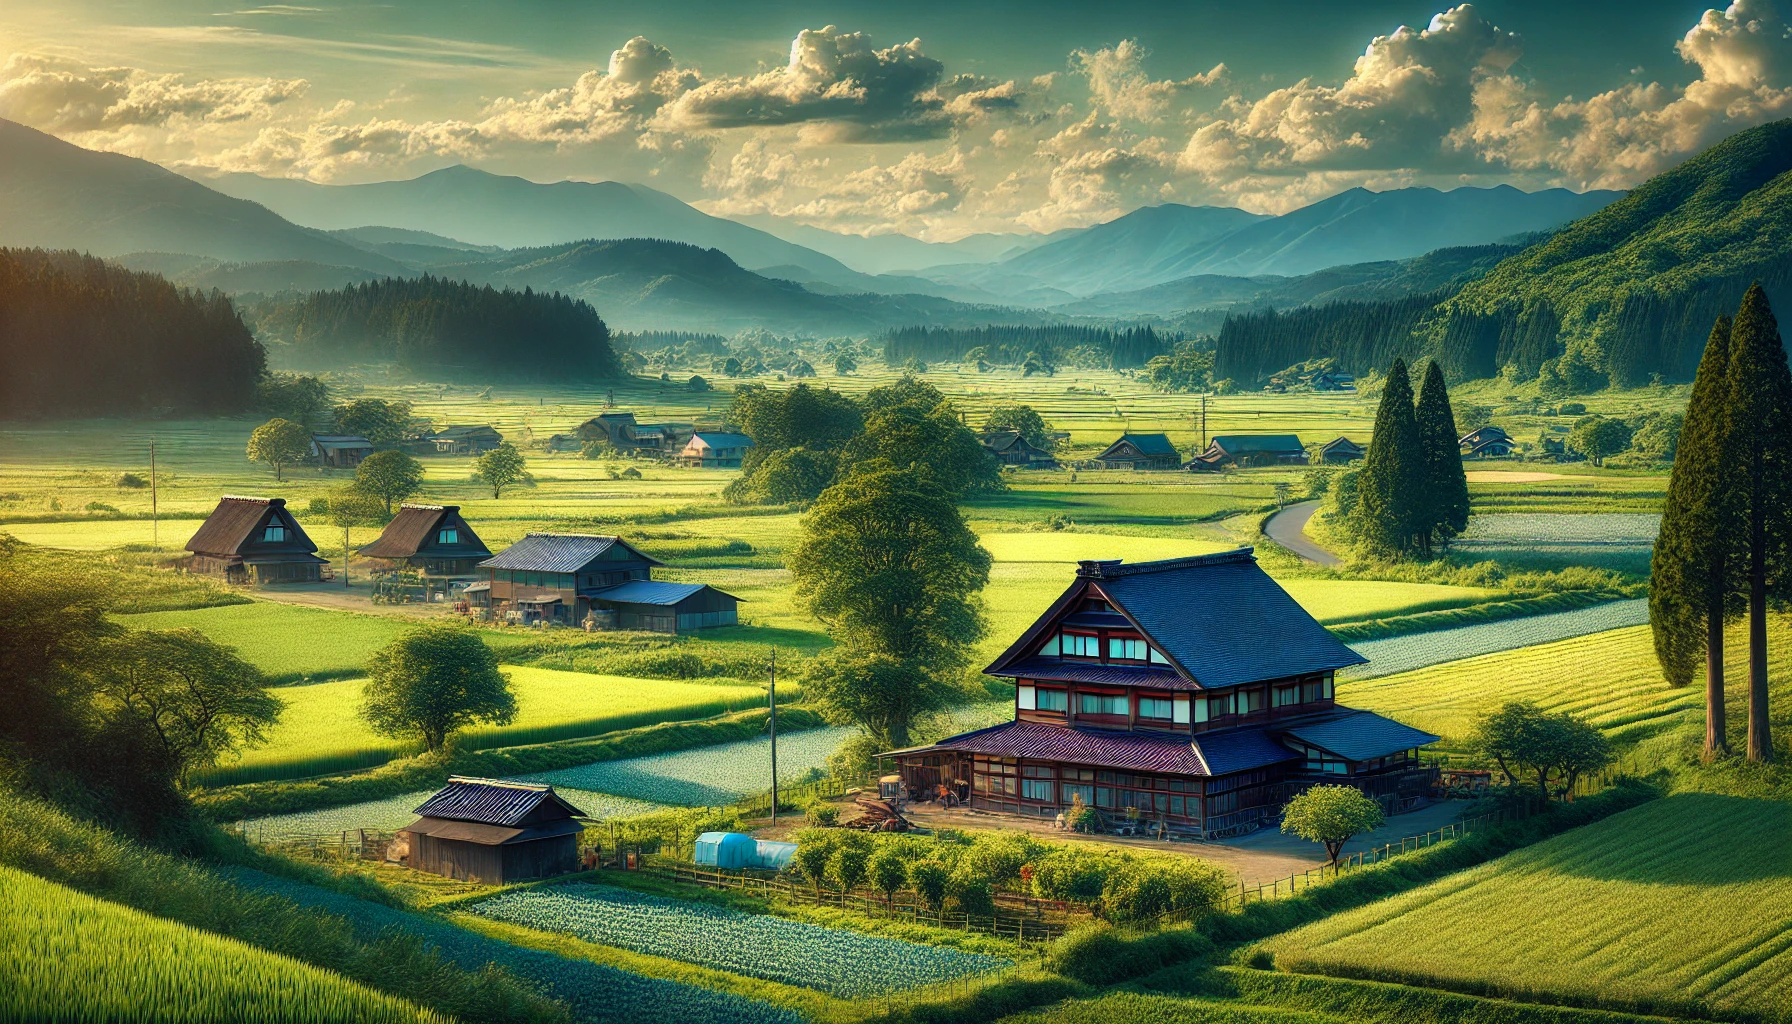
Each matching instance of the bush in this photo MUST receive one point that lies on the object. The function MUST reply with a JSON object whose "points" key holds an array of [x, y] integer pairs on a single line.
{"points": [[1100, 954], [970, 891], [822, 815], [929, 879], [100, 506], [131, 481]]}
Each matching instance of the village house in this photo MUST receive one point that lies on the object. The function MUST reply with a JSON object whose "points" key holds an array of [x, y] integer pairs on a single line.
{"points": [[464, 440], [1250, 450], [715, 450], [1140, 451], [340, 451], [254, 540], [1487, 443], [432, 540], [600, 582], [1010, 448], [492, 831], [1191, 696], [620, 431], [1340, 451], [1330, 380]]}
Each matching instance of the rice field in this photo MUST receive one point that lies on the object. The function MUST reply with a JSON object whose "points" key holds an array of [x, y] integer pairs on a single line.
{"points": [[288, 642], [1420, 650], [839, 963], [320, 729], [396, 812], [594, 992], [1338, 601], [1611, 679], [72, 957], [1074, 547], [1679, 906], [706, 776], [1616, 540]]}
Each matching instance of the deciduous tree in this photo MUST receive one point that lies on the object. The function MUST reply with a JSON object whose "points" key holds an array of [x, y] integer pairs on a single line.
{"points": [[383, 423], [1331, 816], [433, 680], [1597, 438], [501, 467], [389, 476], [198, 698], [279, 443], [1023, 420]]}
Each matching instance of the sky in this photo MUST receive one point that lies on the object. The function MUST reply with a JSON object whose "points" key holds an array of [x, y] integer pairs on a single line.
{"points": [[932, 119]]}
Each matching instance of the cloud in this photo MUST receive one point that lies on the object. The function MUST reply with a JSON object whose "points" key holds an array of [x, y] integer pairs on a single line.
{"points": [[640, 79], [833, 78], [270, 10], [64, 96], [1119, 86]]}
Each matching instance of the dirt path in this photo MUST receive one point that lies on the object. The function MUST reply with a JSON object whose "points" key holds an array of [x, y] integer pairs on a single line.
{"points": [[356, 597], [1288, 528]]}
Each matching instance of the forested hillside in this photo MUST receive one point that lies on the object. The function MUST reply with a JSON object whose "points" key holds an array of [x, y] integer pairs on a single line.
{"points": [[79, 337], [446, 327], [1010, 344], [1359, 335]]}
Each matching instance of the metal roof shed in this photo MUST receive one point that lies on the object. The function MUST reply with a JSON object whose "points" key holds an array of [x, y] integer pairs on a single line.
{"points": [[495, 831]]}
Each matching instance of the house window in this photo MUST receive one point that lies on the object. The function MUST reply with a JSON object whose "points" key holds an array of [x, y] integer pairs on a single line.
{"points": [[1224, 704], [1071, 792], [1203, 708], [1052, 700], [1036, 789], [1157, 657], [1077, 646], [1051, 646], [274, 534], [1130, 650], [1100, 704], [1249, 701], [1154, 707], [448, 535], [1286, 695], [1312, 691]]}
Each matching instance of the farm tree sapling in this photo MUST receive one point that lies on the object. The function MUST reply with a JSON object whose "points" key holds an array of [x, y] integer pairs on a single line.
{"points": [[1331, 816], [501, 467], [279, 443]]}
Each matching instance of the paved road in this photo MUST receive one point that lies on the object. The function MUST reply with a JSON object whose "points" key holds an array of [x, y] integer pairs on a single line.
{"points": [[1288, 527]]}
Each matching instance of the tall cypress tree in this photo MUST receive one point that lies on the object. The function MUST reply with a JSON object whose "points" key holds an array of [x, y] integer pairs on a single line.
{"points": [[1392, 477], [1760, 449], [1694, 565], [1444, 494]]}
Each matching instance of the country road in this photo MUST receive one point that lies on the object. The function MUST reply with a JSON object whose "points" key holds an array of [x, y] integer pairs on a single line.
{"points": [[1288, 528]]}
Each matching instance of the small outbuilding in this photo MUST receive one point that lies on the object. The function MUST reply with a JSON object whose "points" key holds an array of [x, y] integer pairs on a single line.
{"points": [[340, 451], [254, 540], [1011, 448], [663, 607], [465, 439], [1140, 451], [1475, 440], [1340, 451], [494, 831], [431, 539], [1251, 450], [715, 450]]}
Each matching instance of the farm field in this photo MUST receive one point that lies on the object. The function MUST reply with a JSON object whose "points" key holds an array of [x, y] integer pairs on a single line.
{"points": [[1615, 540], [71, 956], [594, 992], [840, 963], [706, 776], [1679, 905], [1611, 679], [288, 642], [1420, 650], [320, 726], [396, 812]]}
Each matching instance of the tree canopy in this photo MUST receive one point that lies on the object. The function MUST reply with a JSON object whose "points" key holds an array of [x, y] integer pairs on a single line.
{"points": [[501, 467], [1023, 420], [1527, 742], [1331, 816], [196, 697], [433, 680], [385, 424], [389, 476], [279, 443]]}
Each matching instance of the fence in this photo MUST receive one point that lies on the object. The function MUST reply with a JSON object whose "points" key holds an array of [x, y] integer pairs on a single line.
{"points": [[822, 789]]}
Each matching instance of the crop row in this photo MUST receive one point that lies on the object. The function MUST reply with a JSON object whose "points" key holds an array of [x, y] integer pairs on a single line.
{"points": [[594, 992], [840, 963], [706, 776], [1540, 528], [1678, 906], [72, 957], [1421, 650]]}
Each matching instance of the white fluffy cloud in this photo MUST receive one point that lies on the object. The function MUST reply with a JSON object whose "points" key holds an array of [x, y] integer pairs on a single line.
{"points": [[1121, 88], [66, 97]]}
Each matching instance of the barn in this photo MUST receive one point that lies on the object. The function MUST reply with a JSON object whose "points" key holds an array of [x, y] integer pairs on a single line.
{"points": [[664, 607], [494, 831], [254, 540]]}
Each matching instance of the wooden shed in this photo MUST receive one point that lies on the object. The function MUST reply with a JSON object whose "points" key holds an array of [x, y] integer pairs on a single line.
{"points": [[664, 607], [254, 540], [494, 831], [340, 451]]}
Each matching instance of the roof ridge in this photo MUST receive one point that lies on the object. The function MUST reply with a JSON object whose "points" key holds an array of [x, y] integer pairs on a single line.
{"points": [[582, 536], [1102, 570], [248, 497], [536, 787]]}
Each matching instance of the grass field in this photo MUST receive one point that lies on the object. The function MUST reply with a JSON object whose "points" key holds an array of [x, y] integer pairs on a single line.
{"points": [[288, 642], [73, 957], [319, 730], [1423, 650], [394, 813], [1678, 906], [706, 776]]}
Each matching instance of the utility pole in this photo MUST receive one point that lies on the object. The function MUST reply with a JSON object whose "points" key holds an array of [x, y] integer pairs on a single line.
{"points": [[1203, 422], [345, 554], [155, 522], [773, 699]]}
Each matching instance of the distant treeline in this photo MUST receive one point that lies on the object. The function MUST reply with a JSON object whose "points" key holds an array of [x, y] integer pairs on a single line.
{"points": [[80, 337], [1360, 335], [1119, 349], [432, 324], [654, 341]]}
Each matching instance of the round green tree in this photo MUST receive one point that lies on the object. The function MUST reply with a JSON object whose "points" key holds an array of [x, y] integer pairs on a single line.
{"points": [[433, 680], [1331, 816], [389, 476], [195, 697], [501, 467], [279, 443]]}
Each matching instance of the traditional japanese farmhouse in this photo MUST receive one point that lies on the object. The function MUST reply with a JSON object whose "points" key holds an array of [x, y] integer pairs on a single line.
{"points": [[1011, 448], [717, 450], [1487, 443], [604, 582], [429, 539], [465, 439], [340, 451], [1192, 694], [494, 831], [1140, 451], [1251, 450], [1340, 451], [619, 430], [254, 540]]}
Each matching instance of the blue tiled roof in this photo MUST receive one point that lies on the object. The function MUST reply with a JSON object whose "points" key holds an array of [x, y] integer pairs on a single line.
{"points": [[650, 592], [715, 440], [1236, 444], [1240, 750], [490, 801], [1361, 736], [558, 552]]}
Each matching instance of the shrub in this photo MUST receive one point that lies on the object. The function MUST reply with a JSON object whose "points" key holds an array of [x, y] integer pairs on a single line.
{"points": [[131, 481], [846, 868], [929, 879], [822, 815], [1069, 875], [970, 891], [1100, 954], [100, 506]]}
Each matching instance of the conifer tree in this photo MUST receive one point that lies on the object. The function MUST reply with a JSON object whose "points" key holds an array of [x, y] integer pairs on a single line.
{"points": [[1392, 477], [1444, 494], [1760, 452], [1694, 562]]}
